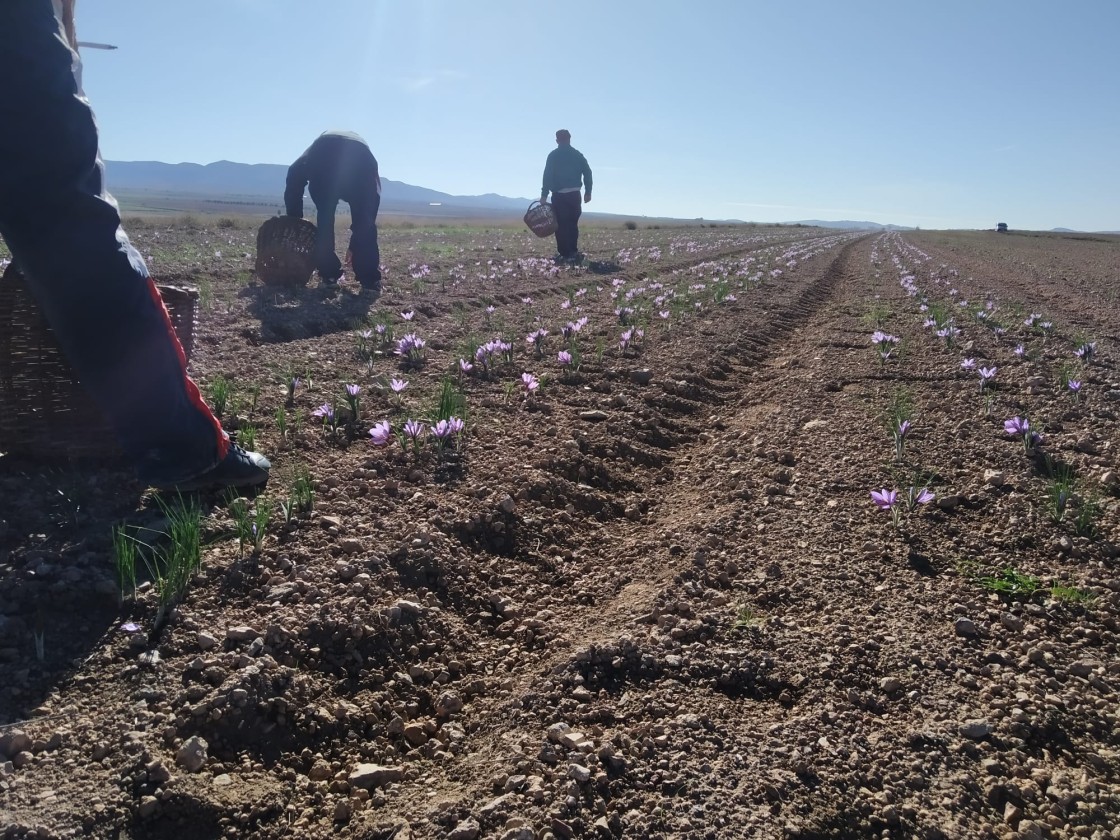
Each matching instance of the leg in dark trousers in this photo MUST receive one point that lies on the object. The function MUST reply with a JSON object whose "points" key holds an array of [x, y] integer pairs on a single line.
{"points": [[327, 262], [363, 241], [91, 284], [567, 207]]}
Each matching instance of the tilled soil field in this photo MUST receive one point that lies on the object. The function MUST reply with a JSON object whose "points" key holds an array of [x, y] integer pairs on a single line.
{"points": [[645, 592]]}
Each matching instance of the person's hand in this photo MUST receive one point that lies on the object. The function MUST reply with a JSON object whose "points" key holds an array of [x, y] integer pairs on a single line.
{"points": [[544, 199], [587, 198]]}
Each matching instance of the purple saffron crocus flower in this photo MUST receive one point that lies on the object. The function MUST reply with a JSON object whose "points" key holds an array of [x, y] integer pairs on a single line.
{"points": [[885, 499], [353, 390], [465, 366], [325, 412], [456, 425], [441, 430], [413, 430], [1017, 426], [1074, 386], [529, 382], [398, 385], [1086, 351], [987, 375], [408, 316], [381, 433], [1020, 351], [920, 497], [130, 627], [564, 358], [968, 364]]}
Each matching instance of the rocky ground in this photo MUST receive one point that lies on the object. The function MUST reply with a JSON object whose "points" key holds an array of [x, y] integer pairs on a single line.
{"points": [[651, 597]]}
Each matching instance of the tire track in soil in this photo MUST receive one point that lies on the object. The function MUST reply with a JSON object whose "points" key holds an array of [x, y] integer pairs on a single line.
{"points": [[751, 358]]}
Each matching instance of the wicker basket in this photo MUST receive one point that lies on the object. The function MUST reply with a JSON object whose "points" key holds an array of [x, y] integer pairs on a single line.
{"points": [[284, 251], [540, 219], [45, 414]]}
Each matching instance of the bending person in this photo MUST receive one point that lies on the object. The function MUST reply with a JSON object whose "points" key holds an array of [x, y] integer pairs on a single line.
{"points": [[339, 166]]}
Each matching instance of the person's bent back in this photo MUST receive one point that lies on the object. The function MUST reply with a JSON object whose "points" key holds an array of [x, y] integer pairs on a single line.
{"points": [[339, 166]]}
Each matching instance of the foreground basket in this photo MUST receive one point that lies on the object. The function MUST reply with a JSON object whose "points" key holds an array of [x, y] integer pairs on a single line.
{"points": [[285, 248], [45, 414], [541, 219]]}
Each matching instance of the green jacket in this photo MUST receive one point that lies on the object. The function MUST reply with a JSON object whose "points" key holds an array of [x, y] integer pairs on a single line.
{"points": [[563, 170]]}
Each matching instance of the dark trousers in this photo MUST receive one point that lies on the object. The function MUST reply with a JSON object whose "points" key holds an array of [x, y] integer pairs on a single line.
{"points": [[64, 232], [363, 238], [567, 206]]}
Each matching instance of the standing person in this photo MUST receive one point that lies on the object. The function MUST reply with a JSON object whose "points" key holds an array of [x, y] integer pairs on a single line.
{"points": [[339, 166], [64, 232], [563, 172]]}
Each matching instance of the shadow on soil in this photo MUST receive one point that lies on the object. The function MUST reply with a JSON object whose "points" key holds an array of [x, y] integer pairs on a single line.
{"points": [[290, 314], [55, 542]]}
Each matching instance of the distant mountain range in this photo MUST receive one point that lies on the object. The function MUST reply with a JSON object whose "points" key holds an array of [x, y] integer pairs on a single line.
{"points": [[226, 179], [848, 225], [263, 184]]}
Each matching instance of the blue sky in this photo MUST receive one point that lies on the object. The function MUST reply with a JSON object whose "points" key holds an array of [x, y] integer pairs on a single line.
{"points": [[949, 114]]}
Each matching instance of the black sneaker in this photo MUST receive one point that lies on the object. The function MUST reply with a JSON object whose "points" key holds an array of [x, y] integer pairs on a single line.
{"points": [[371, 286], [240, 468]]}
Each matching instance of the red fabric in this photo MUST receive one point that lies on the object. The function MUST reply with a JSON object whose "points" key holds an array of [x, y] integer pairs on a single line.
{"points": [[192, 390]]}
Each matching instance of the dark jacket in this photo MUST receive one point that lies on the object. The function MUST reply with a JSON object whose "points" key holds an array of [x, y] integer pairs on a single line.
{"points": [[564, 169], [338, 166]]}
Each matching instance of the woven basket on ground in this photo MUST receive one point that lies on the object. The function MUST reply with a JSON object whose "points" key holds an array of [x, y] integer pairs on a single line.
{"points": [[540, 219], [45, 414], [284, 251]]}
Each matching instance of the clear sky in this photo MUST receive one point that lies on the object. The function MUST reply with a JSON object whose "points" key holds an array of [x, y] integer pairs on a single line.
{"points": [[943, 113]]}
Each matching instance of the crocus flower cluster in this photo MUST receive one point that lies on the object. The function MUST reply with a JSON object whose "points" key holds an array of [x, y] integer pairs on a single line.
{"points": [[572, 328], [535, 340], [490, 352], [328, 415], [948, 333], [885, 343], [413, 432], [410, 348], [897, 503], [1020, 427], [987, 374], [1086, 352]]}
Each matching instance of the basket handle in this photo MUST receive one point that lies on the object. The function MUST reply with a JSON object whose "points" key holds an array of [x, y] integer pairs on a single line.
{"points": [[536, 204]]}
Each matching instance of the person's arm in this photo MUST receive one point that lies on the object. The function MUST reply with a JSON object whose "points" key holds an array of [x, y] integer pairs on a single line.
{"points": [[293, 191], [586, 181]]}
